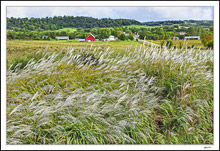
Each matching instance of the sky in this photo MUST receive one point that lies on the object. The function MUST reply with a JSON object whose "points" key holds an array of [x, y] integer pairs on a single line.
{"points": [[141, 14]]}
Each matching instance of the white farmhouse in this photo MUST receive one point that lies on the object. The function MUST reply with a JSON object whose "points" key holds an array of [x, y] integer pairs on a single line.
{"points": [[111, 38]]}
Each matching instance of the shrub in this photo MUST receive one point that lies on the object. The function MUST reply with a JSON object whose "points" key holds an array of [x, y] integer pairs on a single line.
{"points": [[25, 60], [169, 44], [122, 37]]}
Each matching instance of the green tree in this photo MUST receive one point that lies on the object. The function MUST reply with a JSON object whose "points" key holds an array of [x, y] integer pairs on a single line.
{"points": [[104, 33], [128, 31], [122, 37], [131, 37], [94, 31], [119, 31], [169, 44], [207, 40]]}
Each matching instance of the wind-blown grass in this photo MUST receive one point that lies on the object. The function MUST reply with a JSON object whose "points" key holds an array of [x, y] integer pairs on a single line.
{"points": [[99, 96]]}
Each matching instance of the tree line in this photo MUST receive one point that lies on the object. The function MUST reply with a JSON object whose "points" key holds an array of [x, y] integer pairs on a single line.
{"points": [[191, 23], [59, 22], [100, 33], [157, 33]]}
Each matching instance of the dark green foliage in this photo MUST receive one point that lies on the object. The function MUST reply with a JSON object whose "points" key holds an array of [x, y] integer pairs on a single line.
{"points": [[207, 40], [162, 44], [59, 22], [181, 23], [122, 37], [104, 33], [25, 60], [210, 44], [169, 44], [131, 37], [36, 28]]}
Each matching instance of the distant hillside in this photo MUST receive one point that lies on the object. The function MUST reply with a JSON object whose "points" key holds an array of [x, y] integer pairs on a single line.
{"points": [[188, 23], [59, 22]]}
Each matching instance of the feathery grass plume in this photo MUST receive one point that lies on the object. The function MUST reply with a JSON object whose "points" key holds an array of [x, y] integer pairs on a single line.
{"points": [[101, 96]]}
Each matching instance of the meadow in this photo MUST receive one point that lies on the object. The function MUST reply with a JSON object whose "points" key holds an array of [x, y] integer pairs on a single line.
{"points": [[25, 49], [187, 43], [108, 93], [68, 29], [139, 26]]}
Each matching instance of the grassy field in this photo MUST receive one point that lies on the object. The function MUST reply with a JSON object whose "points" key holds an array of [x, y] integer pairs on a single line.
{"points": [[189, 43], [68, 29], [26, 48], [140, 26], [108, 93]]}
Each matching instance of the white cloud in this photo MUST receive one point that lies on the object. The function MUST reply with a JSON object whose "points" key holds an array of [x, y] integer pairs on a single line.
{"points": [[138, 13], [181, 13], [16, 12], [207, 13]]}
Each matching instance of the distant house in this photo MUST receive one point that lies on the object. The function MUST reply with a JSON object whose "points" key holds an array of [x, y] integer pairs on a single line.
{"points": [[90, 38], [191, 37], [174, 38], [44, 37], [136, 35], [111, 38], [126, 34], [62, 37], [181, 33]]}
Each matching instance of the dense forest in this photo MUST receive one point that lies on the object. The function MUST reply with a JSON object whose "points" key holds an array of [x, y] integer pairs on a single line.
{"points": [[59, 22], [188, 23]]}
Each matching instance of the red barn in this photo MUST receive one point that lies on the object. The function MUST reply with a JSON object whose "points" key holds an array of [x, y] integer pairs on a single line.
{"points": [[90, 38]]}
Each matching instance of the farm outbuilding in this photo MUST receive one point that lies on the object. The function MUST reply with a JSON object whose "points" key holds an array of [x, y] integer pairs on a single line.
{"points": [[62, 37], [90, 38]]}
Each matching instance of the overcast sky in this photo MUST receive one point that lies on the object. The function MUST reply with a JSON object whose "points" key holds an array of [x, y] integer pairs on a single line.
{"points": [[138, 13]]}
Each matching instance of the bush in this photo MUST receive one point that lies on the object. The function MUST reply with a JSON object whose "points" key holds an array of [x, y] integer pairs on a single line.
{"points": [[162, 44], [180, 45], [24, 61], [210, 44], [122, 37], [169, 44], [130, 37]]}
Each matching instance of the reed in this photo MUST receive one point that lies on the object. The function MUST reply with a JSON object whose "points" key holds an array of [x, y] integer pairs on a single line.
{"points": [[101, 96]]}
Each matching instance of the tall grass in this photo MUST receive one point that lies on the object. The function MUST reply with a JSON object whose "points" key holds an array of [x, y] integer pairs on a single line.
{"points": [[102, 96]]}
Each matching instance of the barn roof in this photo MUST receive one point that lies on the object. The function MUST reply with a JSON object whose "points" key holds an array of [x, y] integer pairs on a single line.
{"points": [[92, 35]]}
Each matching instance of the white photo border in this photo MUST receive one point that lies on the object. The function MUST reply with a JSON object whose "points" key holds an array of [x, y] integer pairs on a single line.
{"points": [[214, 4]]}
